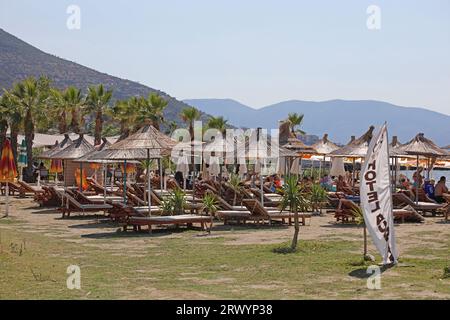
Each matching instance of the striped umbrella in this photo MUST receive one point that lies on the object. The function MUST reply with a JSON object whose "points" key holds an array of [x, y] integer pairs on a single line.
{"points": [[8, 171], [56, 167], [22, 159], [80, 179]]}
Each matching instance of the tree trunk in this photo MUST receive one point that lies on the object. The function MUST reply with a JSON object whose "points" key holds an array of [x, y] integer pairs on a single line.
{"points": [[14, 144], [98, 128], [29, 137], [191, 130], [156, 125], [296, 231], [63, 123], [74, 123], [3, 130]]}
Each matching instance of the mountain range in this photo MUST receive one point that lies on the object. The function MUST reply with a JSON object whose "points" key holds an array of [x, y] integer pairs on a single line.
{"points": [[19, 60], [339, 118]]}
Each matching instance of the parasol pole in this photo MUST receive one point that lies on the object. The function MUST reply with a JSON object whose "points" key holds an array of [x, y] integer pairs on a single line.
{"points": [[149, 184], [81, 177], [353, 171], [39, 178], [113, 173], [262, 188], [124, 180], [417, 178], [7, 199], [160, 173], [104, 182]]}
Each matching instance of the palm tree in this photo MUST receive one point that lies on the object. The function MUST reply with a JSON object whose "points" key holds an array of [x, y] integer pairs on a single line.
{"points": [[296, 201], [31, 95], [295, 120], [11, 109], [73, 101], [58, 106], [235, 183], [152, 110], [218, 123], [171, 127], [125, 113], [189, 115], [96, 102], [4, 108]]}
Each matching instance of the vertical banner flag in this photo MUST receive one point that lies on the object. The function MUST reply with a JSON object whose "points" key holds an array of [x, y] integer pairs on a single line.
{"points": [[376, 197]]}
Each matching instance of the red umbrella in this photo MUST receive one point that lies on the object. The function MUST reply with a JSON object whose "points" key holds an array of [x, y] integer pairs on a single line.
{"points": [[8, 171]]}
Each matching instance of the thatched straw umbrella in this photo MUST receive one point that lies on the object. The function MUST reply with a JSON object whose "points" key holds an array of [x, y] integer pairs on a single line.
{"points": [[394, 155], [59, 146], [297, 146], [356, 148], [75, 150], [324, 147], [421, 146], [86, 159], [147, 143], [260, 151], [56, 148]]}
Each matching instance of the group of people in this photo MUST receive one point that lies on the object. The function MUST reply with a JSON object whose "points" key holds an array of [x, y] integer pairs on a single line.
{"points": [[433, 190]]}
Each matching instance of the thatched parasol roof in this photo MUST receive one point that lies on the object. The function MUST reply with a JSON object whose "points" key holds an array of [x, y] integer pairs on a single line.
{"points": [[263, 147], [56, 148], [77, 149], [423, 147], [325, 146], [147, 139], [86, 158], [298, 146], [356, 148]]}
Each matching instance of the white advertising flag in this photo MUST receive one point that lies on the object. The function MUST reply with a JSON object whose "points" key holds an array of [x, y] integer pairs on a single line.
{"points": [[376, 197]]}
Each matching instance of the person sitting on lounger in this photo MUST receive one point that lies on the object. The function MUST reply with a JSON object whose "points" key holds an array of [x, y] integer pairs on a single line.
{"points": [[439, 190], [326, 182], [342, 186], [428, 187], [418, 178]]}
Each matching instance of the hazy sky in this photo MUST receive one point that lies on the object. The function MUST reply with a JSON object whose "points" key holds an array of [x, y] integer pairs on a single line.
{"points": [[256, 51]]}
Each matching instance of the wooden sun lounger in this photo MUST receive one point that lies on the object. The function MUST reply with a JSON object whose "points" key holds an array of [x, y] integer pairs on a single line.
{"points": [[72, 205], [29, 188], [446, 208], [271, 199], [225, 205], [185, 219], [401, 199], [255, 206]]}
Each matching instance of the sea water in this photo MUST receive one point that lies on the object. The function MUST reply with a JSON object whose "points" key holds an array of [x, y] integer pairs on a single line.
{"points": [[435, 174]]}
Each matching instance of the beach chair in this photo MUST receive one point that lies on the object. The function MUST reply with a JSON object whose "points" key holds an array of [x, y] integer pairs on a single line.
{"points": [[29, 188], [189, 220], [224, 205], [255, 207], [13, 189], [344, 211], [72, 205], [401, 200], [48, 198], [446, 207], [270, 199]]}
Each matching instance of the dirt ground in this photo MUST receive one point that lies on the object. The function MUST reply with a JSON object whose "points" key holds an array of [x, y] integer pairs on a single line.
{"points": [[85, 230]]}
